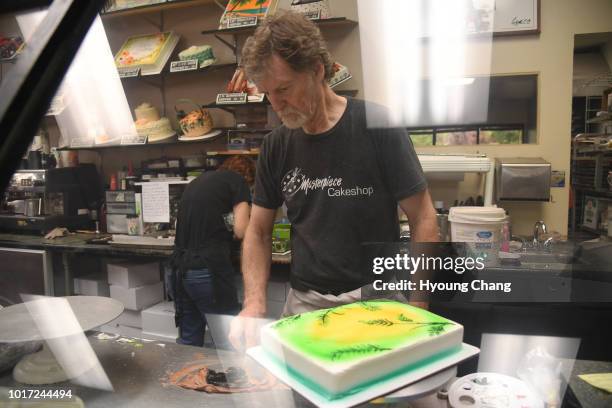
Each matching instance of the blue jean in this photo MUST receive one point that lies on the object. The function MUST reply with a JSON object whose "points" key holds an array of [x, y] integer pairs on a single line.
{"points": [[198, 298], [200, 295]]}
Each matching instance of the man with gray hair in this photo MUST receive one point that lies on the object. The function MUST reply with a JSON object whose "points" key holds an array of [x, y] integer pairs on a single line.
{"points": [[340, 180]]}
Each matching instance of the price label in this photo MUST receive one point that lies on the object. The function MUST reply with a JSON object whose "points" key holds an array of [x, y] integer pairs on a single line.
{"points": [[133, 139], [187, 65], [313, 15], [129, 72], [337, 80], [231, 98], [81, 142], [238, 22]]}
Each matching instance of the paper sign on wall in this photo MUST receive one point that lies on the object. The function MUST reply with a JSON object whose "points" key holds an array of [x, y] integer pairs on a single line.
{"points": [[155, 202]]}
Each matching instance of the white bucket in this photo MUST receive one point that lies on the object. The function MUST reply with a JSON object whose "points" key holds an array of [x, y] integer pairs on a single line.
{"points": [[480, 227]]}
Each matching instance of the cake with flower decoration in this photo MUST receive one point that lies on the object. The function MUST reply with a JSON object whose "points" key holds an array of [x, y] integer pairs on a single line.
{"points": [[339, 350], [147, 52]]}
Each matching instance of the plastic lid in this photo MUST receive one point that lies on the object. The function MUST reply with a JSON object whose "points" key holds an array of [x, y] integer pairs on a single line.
{"points": [[477, 215]]}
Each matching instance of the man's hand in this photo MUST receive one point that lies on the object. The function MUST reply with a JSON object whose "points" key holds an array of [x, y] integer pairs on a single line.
{"points": [[244, 329]]}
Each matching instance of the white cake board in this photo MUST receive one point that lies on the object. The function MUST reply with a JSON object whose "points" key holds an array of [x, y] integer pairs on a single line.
{"points": [[374, 391]]}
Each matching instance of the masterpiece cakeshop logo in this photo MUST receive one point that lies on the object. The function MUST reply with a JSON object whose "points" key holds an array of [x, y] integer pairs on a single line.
{"points": [[295, 180]]}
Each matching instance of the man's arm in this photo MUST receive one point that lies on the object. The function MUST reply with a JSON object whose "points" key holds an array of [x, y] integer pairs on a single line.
{"points": [[421, 217], [423, 228], [241, 219], [256, 257]]}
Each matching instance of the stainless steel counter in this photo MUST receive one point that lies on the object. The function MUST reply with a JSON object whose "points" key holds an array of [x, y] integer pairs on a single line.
{"points": [[138, 371]]}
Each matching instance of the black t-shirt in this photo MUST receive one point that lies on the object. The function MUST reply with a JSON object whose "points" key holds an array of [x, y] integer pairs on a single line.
{"points": [[204, 204], [341, 190]]}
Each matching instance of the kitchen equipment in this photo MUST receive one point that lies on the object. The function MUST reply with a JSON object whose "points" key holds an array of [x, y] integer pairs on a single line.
{"points": [[41, 200], [194, 161], [32, 207], [523, 179], [120, 206]]}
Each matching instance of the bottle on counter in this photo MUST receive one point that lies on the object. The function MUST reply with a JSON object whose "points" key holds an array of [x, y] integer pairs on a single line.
{"points": [[113, 182], [442, 217]]}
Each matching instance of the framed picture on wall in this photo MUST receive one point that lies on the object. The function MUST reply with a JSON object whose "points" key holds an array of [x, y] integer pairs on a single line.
{"points": [[503, 17]]}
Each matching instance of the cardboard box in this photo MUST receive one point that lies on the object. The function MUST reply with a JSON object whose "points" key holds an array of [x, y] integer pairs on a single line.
{"points": [[140, 297], [131, 318], [159, 320], [91, 286], [133, 274]]}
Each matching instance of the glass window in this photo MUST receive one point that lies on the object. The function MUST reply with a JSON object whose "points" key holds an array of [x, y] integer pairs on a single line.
{"points": [[458, 137], [422, 139], [507, 136]]}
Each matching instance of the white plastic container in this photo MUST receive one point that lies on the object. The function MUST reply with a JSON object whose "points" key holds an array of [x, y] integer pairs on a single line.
{"points": [[481, 228]]}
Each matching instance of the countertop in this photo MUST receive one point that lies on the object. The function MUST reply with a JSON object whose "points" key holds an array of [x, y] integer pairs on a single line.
{"points": [[77, 243], [139, 371]]}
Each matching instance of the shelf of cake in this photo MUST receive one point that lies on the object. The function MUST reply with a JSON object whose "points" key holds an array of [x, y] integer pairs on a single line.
{"points": [[209, 68], [154, 8], [323, 23], [173, 142]]}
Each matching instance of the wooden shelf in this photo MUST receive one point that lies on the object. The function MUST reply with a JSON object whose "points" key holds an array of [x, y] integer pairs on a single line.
{"points": [[166, 71], [155, 8], [174, 142], [323, 23], [231, 153], [231, 107]]}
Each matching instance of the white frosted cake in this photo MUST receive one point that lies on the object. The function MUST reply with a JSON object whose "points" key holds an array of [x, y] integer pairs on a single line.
{"points": [[145, 112], [159, 130], [339, 350]]}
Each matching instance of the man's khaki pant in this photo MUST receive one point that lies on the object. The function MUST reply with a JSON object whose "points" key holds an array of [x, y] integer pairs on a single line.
{"points": [[300, 302]]}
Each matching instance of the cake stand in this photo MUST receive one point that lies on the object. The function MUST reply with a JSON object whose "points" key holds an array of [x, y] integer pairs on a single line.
{"points": [[60, 322]]}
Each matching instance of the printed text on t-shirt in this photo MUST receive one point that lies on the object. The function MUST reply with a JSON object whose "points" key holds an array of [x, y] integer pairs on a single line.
{"points": [[295, 180]]}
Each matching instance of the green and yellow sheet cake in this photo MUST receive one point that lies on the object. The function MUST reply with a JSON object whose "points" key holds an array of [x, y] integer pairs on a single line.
{"points": [[339, 350]]}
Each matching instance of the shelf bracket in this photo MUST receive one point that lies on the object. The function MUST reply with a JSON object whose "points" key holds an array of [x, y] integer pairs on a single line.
{"points": [[150, 83], [159, 25], [233, 47]]}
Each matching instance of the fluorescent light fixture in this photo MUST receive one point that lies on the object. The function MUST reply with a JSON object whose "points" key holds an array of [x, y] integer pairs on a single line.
{"points": [[420, 55], [459, 81], [96, 106]]}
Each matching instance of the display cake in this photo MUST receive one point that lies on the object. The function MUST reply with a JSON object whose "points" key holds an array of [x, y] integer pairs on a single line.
{"points": [[149, 124], [340, 350], [237, 10], [202, 53], [340, 74], [159, 130], [147, 52]]}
